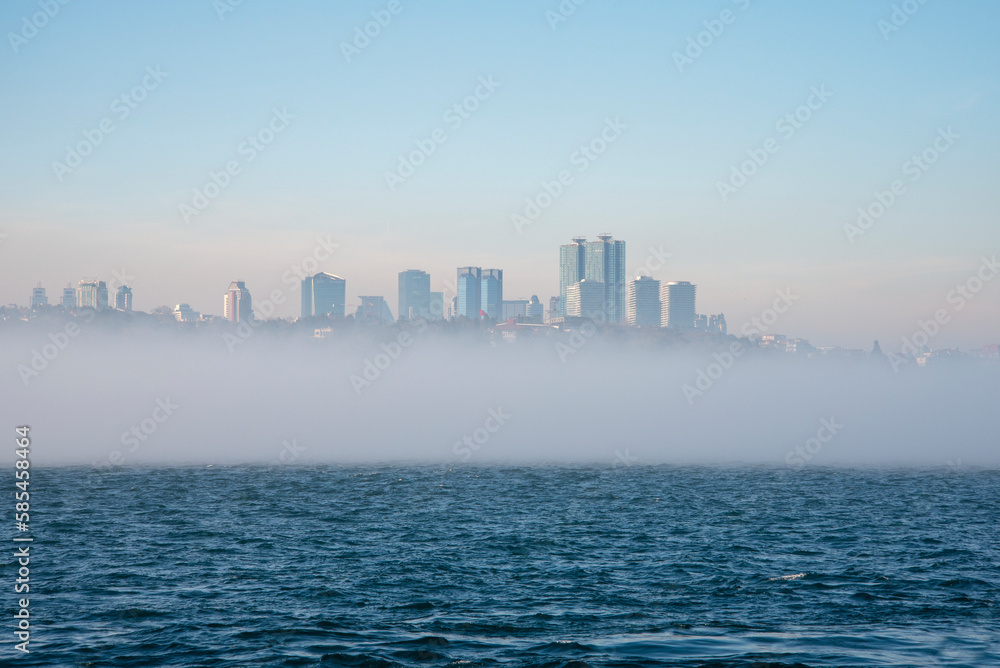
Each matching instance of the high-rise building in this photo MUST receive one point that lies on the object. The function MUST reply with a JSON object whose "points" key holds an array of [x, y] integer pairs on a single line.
{"points": [[436, 307], [373, 309], [643, 307], [585, 299], [307, 297], [324, 294], [514, 308], [69, 297], [678, 309], [572, 268], [711, 323], [606, 263], [491, 299], [238, 306], [414, 294], [470, 292], [329, 295], [91, 293], [123, 298], [556, 309], [184, 313], [534, 311], [38, 298], [600, 261]]}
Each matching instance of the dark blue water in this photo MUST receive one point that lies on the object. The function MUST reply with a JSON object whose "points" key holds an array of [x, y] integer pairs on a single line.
{"points": [[425, 566]]}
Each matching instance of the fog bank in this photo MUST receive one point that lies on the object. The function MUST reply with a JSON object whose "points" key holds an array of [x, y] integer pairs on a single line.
{"points": [[123, 398]]}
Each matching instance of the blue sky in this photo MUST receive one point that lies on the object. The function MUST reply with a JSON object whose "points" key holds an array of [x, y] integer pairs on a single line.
{"points": [[655, 186]]}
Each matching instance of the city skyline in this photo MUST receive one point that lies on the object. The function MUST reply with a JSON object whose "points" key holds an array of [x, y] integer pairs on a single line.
{"points": [[807, 157], [674, 301], [478, 292], [437, 323]]}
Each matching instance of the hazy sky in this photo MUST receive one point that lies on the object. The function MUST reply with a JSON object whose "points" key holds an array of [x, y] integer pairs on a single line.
{"points": [[345, 120]]}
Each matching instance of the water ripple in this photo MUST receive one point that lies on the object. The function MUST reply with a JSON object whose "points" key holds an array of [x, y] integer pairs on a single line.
{"points": [[507, 566]]}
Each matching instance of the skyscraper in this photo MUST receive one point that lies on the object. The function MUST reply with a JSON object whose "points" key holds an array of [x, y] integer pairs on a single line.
{"points": [[600, 261], [572, 268], [555, 309], [123, 298], [69, 297], [373, 309], [677, 299], [585, 299], [38, 298], [307, 297], [643, 307], [92, 293], [491, 299], [711, 323], [470, 292], [324, 294], [514, 308], [184, 313], [436, 309], [237, 305], [414, 294], [606, 263], [534, 311]]}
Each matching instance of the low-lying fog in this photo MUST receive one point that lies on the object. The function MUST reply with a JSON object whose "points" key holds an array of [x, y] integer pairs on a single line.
{"points": [[139, 397]]}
